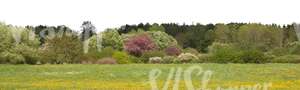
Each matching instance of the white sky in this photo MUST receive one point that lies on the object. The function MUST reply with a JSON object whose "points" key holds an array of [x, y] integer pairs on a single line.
{"points": [[113, 13]]}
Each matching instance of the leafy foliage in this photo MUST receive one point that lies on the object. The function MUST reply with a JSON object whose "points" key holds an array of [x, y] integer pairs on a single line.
{"points": [[59, 50], [18, 45], [111, 38], [286, 59], [121, 57], [156, 27], [161, 39], [224, 34], [253, 56], [223, 53], [108, 38], [259, 37], [294, 48]]}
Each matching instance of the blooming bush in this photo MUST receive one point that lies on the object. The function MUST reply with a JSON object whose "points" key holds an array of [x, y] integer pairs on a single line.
{"points": [[162, 39], [155, 60], [190, 50], [186, 57], [18, 45], [139, 44], [154, 53], [173, 51], [108, 38]]}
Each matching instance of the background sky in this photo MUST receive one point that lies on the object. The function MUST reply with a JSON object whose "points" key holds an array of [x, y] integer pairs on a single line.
{"points": [[114, 13]]}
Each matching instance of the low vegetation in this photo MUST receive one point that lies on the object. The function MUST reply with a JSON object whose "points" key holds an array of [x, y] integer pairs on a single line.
{"points": [[136, 76]]}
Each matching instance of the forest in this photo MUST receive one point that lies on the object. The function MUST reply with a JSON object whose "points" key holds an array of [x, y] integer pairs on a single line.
{"points": [[166, 43]]}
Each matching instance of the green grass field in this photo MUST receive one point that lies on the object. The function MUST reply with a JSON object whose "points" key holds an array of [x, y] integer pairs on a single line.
{"points": [[136, 77]]}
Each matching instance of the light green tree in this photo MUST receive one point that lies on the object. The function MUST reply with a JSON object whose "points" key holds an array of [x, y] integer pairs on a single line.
{"points": [[156, 27], [18, 45], [223, 34], [108, 38], [162, 39], [259, 36]]}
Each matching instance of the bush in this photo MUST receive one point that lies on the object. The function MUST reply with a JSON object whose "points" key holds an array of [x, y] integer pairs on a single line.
{"points": [[253, 56], [173, 51], [155, 60], [2, 58], [224, 53], [121, 57], [169, 59], [105, 52], [161, 39], [18, 45], [106, 60], [139, 44], [286, 59], [65, 49], [186, 57], [202, 58], [31, 55], [136, 59], [278, 51], [6, 38], [13, 58], [227, 53], [191, 50], [109, 38], [94, 55], [294, 48], [145, 57]]}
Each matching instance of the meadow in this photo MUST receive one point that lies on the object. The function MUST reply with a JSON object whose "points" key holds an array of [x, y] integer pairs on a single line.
{"points": [[136, 76]]}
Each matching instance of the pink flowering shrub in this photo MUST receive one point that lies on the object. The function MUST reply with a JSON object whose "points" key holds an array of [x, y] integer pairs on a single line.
{"points": [[173, 51], [138, 44]]}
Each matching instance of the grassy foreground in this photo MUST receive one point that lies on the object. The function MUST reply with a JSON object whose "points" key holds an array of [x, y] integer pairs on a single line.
{"points": [[136, 77]]}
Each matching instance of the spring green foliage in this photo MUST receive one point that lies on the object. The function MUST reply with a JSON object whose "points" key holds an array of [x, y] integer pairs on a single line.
{"points": [[223, 53], [228, 53], [224, 34], [156, 27], [260, 37], [162, 39], [111, 38], [18, 45], [286, 59], [121, 57], [59, 50], [294, 48]]}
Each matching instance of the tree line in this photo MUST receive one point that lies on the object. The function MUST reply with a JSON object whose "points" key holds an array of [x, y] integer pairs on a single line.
{"points": [[150, 43]]}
